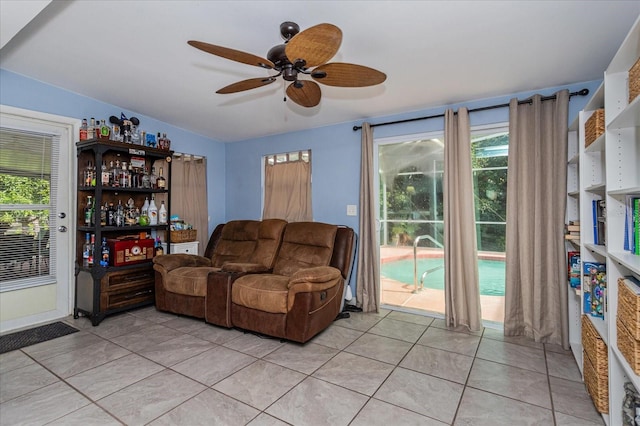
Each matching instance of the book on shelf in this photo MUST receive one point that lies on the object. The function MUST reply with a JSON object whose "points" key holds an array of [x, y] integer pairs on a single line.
{"points": [[599, 216], [632, 224], [574, 268], [594, 288]]}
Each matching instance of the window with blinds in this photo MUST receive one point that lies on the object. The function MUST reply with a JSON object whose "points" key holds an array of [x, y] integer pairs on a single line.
{"points": [[28, 187]]}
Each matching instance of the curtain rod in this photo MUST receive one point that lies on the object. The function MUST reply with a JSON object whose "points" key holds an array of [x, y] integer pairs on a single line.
{"points": [[583, 92]]}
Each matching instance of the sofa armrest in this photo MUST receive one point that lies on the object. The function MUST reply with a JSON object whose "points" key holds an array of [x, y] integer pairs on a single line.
{"points": [[249, 268], [172, 261], [314, 279]]}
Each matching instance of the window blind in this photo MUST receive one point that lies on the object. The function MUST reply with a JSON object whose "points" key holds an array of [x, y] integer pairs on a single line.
{"points": [[28, 190]]}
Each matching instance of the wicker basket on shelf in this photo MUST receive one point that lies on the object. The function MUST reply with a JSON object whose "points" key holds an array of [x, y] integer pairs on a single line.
{"points": [[629, 347], [595, 365], [597, 382], [594, 127], [634, 81], [629, 306], [184, 236]]}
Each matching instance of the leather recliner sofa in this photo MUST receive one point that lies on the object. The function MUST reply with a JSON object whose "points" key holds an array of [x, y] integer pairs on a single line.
{"points": [[183, 281], [306, 263]]}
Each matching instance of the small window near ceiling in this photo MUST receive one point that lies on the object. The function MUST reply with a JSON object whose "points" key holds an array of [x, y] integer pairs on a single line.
{"points": [[287, 186]]}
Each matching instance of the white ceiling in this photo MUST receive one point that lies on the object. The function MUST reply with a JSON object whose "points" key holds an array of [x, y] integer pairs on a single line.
{"points": [[135, 55]]}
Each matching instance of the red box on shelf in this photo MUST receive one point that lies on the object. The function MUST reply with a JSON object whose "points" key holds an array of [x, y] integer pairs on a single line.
{"points": [[130, 251]]}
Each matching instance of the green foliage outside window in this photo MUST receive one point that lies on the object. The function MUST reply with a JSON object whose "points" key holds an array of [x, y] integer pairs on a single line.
{"points": [[23, 191]]}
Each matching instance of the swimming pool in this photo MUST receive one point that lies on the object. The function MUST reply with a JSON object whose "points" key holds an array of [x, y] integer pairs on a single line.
{"points": [[491, 273]]}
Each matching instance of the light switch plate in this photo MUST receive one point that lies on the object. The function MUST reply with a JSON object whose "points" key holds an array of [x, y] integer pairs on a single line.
{"points": [[352, 210]]}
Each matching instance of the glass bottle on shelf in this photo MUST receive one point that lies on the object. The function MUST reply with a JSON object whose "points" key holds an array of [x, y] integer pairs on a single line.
{"points": [[104, 174], [158, 246], [131, 177], [146, 181], [83, 130], [92, 246], [105, 131], [87, 210], [162, 214], [153, 178], [120, 214], [86, 247], [115, 174], [145, 207], [103, 215], [111, 215], [161, 182], [153, 212], [91, 130], [124, 179], [105, 253], [86, 174]]}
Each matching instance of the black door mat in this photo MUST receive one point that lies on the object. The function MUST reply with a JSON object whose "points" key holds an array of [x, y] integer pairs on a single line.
{"points": [[20, 339]]}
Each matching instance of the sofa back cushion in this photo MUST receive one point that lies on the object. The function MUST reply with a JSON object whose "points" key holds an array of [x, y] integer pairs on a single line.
{"points": [[237, 242], [305, 245], [344, 251], [270, 232]]}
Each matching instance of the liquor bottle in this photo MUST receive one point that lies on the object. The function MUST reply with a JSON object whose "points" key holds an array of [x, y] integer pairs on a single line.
{"points": [[103, 215], [146, 182], [105, 130], [104, 174], [91, 130], [123, 176], [153, 212], [115, 172], [86, 174], [167, 142], [145, 207], [120, 214], [162, 214], [153, 178], [105, 252], [83, 130], [161, 182], [158, 246], [86, 247], [159, 141], [92, 247], [87, 210], [111, 215], [131, 177]]}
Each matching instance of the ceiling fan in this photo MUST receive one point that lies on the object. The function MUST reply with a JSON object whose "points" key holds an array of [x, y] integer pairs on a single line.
{"points": [[303, 53]]}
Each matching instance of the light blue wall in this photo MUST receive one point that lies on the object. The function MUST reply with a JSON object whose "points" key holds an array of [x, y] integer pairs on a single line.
{"points": [[336, 155], [22, 92]]}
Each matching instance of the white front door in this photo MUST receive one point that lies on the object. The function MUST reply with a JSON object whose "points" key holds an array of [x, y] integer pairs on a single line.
{"points": [[37, 217]]}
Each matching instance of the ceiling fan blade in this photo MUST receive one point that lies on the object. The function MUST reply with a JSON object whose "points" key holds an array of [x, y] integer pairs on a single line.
{"points": [[234, 55], [305, 93], [347, 75], [243, 85], [316, 45]]}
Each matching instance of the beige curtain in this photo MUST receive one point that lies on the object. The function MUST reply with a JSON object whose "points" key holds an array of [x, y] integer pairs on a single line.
{"points": [[287, 191], [461, 287], [189, 195], [536, 270], [368, 273]]}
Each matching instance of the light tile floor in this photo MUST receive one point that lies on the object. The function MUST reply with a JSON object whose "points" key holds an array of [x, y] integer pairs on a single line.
{"points": [[148, 367]]}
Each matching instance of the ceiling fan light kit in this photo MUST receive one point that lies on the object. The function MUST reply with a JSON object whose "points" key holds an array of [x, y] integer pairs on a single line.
{"points": [[301, 51]]}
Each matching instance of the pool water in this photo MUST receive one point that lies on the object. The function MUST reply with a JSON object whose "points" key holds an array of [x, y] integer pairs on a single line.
{"points": [[491, 273]]}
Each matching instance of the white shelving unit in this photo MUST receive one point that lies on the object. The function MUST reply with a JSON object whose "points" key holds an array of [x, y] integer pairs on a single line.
{"points": [[609, 169]]}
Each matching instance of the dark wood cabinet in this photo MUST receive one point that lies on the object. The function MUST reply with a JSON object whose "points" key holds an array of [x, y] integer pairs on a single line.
{"points": [[101, 290]]}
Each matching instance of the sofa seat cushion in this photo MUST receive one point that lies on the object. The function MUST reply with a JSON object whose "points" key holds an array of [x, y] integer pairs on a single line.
{"points": [[263, 292], [189, 280]]}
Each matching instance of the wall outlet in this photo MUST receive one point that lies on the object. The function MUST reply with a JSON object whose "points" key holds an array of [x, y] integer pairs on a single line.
{"points": [[352, 210]]}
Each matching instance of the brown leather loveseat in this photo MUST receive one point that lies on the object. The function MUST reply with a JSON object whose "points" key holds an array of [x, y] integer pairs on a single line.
{"points": [[187, 284], [291, 277]]}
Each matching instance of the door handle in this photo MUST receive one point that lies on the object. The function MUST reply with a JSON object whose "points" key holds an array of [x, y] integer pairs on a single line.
{"points": [[62, 228], [62, 215]]}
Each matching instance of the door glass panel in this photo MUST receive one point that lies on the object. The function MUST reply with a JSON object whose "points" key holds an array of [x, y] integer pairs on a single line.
{"points": [[26, 191], [411, 214]]}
